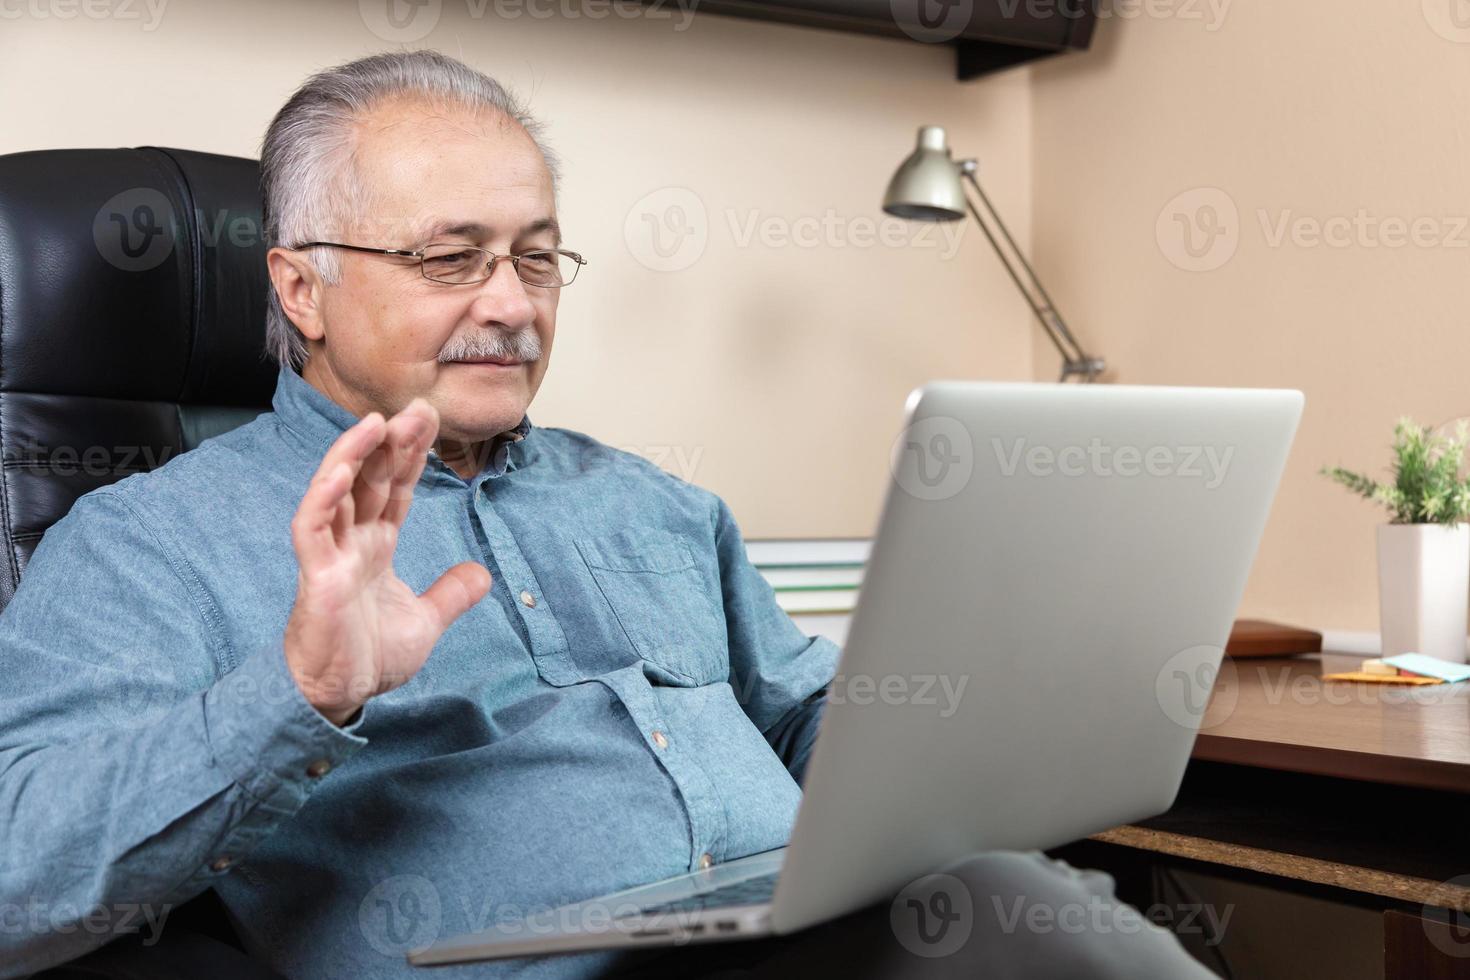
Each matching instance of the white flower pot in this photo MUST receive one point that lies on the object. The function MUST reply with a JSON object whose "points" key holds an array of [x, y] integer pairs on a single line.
{"points": [[1423, 585]]}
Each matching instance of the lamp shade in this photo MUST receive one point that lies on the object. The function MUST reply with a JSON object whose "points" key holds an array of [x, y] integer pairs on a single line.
{"points": [[926, 186]]}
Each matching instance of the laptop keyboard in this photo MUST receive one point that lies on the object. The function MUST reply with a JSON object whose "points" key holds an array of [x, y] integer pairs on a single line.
{"points": [[751, 891]]}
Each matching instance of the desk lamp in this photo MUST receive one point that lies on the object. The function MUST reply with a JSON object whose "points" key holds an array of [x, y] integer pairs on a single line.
{"points": [[927, 187]]}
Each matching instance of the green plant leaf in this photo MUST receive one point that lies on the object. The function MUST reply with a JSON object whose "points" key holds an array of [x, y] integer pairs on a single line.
{"points": [[1427, 487]]}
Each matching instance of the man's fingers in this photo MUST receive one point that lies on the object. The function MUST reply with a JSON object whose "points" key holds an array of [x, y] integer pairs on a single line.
{"points": [[345, 513], [311, 528], [412, 432], [354, 445], [350, 449], [374, 481], [456, 591]]}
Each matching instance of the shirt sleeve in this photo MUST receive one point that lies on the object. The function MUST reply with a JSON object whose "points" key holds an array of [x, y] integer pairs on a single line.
{"points": [[779, 673], [139, 759]]}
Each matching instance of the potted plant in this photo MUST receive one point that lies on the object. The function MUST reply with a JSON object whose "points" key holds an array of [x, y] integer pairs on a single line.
{"points": [[1424, 551]]}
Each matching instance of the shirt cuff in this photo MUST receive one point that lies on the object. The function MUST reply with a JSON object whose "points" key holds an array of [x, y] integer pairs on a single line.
{"points": [[265, 734]]}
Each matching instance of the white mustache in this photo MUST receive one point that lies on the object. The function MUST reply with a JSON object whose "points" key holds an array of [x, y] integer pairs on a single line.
{"points": [[521, 345]]}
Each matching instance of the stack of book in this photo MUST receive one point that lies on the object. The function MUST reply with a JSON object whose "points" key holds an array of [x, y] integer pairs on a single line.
{"points": [[815, 580]]}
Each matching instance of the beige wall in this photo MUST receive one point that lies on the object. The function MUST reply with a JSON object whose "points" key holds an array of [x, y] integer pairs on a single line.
{"points": [[772, 372], [1298, 112]]}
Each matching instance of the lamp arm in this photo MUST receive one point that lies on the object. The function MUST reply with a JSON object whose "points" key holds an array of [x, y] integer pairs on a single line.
{"points": [[1057, 338], [1075, 359]]}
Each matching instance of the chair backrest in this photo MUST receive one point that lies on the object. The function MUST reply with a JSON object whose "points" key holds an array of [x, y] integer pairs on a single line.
{"points": [[132, 322]]}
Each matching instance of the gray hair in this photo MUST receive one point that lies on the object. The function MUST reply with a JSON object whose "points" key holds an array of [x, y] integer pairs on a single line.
{"points": [[307, 180]]}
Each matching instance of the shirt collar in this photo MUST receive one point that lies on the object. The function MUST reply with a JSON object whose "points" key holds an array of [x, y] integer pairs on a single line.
{"points": [[317, 421]]}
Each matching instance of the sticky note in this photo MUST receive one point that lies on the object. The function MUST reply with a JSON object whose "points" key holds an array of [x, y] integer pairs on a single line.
{"points": [[1365, 678], [1417, 663]]}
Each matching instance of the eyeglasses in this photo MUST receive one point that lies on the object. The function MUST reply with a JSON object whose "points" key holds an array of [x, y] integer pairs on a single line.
{"points": [[549, 268]]}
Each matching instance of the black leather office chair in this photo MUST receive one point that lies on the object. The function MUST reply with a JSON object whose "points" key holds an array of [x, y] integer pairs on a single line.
{"points": [[132, 322]]}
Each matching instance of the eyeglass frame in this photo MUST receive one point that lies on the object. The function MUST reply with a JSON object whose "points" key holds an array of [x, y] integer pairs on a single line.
{"points": [[515, 260]]}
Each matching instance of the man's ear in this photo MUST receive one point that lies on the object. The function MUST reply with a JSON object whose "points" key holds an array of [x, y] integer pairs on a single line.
{"points": [[298, 287]]}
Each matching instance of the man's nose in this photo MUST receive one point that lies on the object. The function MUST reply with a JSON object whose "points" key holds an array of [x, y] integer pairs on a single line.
{"points": [[503, 299]]}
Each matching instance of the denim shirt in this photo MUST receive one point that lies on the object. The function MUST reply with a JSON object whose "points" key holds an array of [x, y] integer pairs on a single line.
{"points": [[627, 703]]}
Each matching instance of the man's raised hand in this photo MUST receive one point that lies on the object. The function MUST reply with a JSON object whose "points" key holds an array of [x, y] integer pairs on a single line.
{"points": [[356, 630]]}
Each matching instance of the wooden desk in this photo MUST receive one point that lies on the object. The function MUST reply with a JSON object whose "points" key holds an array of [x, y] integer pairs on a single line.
{"points": [[1302, 784], [1278, 713]]}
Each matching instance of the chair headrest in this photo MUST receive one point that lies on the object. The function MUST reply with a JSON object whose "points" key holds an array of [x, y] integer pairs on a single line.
{"points": [[132, 321], [133, 273]]}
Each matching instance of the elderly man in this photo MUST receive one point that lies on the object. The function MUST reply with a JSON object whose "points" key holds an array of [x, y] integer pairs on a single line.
{"points": [[219, 674]]}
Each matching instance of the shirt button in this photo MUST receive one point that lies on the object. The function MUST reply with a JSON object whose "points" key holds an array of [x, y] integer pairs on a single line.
{"points": [[659, 739], [529, 600], [318, 769], [221, 863], [705, 861]]}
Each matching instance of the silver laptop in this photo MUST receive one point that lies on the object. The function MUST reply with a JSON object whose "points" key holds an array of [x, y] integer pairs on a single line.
{"points": [[1060, 565]]}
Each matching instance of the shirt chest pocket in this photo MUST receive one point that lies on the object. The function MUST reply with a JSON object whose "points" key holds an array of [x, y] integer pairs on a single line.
{"points": [[665, 605]]}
